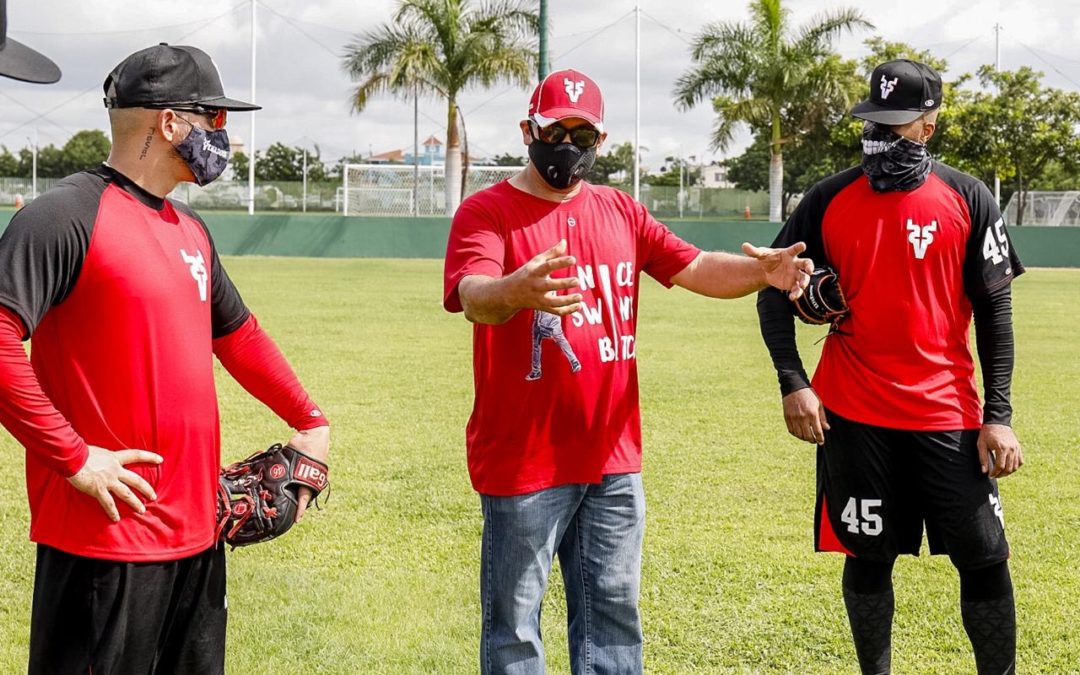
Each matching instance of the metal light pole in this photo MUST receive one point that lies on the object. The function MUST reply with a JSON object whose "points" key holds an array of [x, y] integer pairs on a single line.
{"points": [[997, 66], [303, 204], [545, 64], [416, 151], [637, 101], [33, 179], [251, 151], [680, 197]]}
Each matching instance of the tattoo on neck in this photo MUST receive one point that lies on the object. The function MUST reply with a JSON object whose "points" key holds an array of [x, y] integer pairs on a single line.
{"points": [[146, 144]]}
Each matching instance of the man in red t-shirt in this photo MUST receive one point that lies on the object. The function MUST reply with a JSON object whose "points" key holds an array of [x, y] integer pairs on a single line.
{"points": [[128, 304], [555, 451], [918, 248]]}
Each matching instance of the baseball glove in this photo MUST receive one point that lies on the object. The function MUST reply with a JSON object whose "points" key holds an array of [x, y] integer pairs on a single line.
{"points": [[823, 300], [258, 497]]}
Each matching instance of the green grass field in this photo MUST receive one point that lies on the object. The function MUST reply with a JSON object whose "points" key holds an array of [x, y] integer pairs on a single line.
{"points": [[384, 579]]}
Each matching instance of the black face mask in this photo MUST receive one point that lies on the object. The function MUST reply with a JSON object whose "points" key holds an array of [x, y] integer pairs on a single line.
{"points": [[205, 152], [891, 162], [561, 165]]}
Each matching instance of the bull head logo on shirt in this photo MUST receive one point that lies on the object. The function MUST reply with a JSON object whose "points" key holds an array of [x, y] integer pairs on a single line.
{"points": [[921, 236], [198, 270]]}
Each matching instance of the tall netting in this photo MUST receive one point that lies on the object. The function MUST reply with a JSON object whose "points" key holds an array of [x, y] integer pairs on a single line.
{"points": [[1044, 208], [390, 189]]}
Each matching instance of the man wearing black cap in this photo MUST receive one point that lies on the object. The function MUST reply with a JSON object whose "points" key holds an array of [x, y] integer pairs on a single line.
{"points": [[902, 438], [19, 62], [128, 303]]}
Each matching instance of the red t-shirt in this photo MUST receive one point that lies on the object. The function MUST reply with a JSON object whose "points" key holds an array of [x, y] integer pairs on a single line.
{"points": [[909, 264], [557, 400]]}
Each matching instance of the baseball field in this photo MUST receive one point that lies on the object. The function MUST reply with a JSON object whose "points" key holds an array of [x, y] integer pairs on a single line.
{"points": [[383, 580]]}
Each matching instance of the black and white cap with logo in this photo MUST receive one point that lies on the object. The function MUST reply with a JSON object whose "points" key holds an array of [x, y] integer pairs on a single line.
{"points": [[168, 75], [900, 91], [19, 62]]}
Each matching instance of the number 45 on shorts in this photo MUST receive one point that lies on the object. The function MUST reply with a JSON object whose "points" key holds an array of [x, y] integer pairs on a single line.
{"points": [[859, 516]]}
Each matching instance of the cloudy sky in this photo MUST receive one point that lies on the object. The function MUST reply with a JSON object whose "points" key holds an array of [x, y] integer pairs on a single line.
{"points": [[305, 93]]}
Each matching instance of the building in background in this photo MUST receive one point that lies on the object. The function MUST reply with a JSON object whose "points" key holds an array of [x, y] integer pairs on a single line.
{"points": [[715, 176]]}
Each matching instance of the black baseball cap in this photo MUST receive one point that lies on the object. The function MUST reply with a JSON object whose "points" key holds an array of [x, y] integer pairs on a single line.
{"points": [[900, 91], [19, 62], [166, 75]]}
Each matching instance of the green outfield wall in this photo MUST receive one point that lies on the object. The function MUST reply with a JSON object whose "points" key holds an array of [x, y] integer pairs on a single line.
{"points": [[277, 234]]}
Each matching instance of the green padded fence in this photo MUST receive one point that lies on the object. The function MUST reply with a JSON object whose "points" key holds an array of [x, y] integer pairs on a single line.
{"points": [[279, 234]]}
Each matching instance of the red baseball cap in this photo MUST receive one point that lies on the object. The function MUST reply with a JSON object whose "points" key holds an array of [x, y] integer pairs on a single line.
{"points": [[567, 93]]}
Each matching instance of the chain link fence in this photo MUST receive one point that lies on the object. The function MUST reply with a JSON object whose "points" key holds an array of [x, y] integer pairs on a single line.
{"points": [[388, 190], [1055, 209], [401, 190]]}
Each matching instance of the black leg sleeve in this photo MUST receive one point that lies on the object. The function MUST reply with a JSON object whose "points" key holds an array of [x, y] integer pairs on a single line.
{"points": [[989, 613], [868, 597]]}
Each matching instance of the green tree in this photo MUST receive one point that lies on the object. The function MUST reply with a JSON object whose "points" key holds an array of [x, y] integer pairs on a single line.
{"points": [[442, 47], [85, 150], [506, 159], [339, 166], [1056, 178], [620, 160], [605, 166], [50, 162], [1015, 127], [669, 173], [279, 162], [765, 74], [238, 163], [9, 163]]}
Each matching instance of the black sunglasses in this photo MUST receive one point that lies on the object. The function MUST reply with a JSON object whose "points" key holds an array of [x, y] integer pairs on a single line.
{"points": [[218, 116], [584, 137]]}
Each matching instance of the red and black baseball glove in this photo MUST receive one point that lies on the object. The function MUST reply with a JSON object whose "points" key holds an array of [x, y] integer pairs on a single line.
{"points": [[823, 300], [258, 497]]}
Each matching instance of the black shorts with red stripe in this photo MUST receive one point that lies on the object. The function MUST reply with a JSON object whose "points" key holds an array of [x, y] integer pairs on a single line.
{"points": [[878, 486]]}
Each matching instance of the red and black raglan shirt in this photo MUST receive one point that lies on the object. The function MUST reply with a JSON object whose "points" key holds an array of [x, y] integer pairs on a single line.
{"points": [[127, 303], [914, 267]]}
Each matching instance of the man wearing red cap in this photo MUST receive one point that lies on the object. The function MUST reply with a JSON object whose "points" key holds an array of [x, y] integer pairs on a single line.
{"points": [[554, 440]]}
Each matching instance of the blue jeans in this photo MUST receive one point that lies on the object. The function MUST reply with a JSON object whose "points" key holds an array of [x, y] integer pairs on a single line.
{"points": [[597, 532]]}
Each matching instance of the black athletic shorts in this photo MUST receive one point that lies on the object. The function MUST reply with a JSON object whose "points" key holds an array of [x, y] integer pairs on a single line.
{"points": [[114, 618], [877, 486]]}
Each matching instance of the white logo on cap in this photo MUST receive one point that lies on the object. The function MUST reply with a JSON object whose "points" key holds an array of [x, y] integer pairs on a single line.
{"points": [[574, 89], [928, 102], [887, 86]]}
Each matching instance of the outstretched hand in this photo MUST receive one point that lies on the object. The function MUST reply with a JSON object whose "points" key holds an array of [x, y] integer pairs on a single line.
{"points": [[783, 267], [104, 475], [532, 287]]}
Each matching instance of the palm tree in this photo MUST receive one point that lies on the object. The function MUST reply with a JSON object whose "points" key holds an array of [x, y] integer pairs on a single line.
{"points": [[441, 47], [761, 74]]}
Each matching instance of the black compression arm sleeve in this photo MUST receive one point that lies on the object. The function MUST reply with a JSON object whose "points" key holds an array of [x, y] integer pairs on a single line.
{"points": [[994, 341], [778, 331]]}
